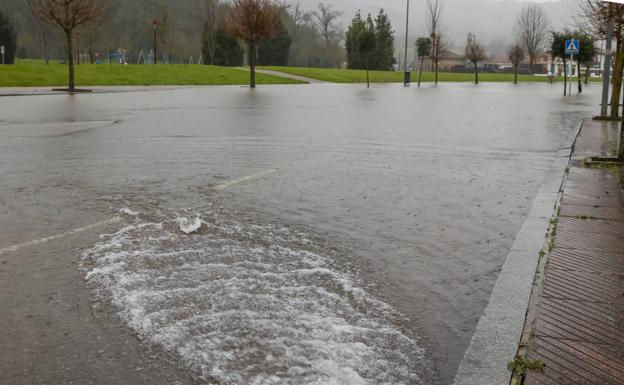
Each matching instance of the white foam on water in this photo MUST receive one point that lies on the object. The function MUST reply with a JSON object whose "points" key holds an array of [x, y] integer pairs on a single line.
{"points": [[251, 304], [189, 226]]}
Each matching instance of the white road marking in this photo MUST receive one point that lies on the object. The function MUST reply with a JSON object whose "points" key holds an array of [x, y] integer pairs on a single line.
{"points": [[36, 242], [72, 124], [248, 178]]}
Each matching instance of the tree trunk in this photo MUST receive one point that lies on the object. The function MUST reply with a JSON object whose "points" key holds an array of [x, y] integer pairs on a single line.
{"points": [[91, 54], [367, 75], [565, 78], [422, 61], [621, 153], [252, 65], [476, 68], [531, 62], [617, 81], [70, 60], [578, 76], [587, 74], [44, 40], [516, 74], [436, 71]]}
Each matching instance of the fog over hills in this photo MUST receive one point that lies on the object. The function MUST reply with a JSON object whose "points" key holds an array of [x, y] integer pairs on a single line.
{"points": [[491, 20]]}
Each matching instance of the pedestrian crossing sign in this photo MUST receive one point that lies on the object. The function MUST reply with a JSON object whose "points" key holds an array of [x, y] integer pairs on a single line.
{"points": [[572, 47]]}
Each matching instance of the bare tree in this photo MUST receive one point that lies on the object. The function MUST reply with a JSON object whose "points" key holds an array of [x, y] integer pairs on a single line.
{"points": [[325, 22], [92, 35], [164, 34], [438, 37], [475, 53], [69, 15], [252, 21], [516, 57], [43, 28], [209, 12], [595, 16], [532, 31]]}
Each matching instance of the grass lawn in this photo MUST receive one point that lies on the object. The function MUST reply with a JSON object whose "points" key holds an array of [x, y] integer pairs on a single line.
{"points": [[35, 73], [359, 76]]}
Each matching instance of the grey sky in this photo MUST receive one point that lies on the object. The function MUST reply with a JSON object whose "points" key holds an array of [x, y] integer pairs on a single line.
{"points": [[490, 20]]}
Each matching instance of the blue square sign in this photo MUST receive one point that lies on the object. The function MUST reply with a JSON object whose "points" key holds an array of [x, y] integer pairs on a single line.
{"points": [[572, 47]]}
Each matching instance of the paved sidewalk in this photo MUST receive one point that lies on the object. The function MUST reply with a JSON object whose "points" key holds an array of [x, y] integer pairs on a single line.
{"points": [[284, 75], [579, 320]]}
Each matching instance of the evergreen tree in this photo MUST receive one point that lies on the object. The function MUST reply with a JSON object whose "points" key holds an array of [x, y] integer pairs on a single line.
{"points": [[384, 51], [557, 49], [367, 48], [382, 57], [357, 27], [7, 39], [227, 50], [587, 53], [423, 49], [274, 51]]}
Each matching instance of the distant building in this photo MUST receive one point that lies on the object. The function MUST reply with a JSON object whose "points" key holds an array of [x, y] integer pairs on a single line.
{"points": [[448, 61]]}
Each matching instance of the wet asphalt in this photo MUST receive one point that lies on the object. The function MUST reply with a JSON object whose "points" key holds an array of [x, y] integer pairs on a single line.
{"points": [[419, 191]]}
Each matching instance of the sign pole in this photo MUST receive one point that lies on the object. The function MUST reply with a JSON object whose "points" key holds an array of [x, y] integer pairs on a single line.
{"points": [[606, 73], [571, 72]]}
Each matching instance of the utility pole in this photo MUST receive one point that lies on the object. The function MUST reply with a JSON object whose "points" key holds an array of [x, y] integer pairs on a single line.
{"points": [[155, 24], [406, 73], [606, 73]]}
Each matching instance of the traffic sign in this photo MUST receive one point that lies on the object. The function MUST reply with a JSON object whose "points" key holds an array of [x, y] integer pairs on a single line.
{"points": [[572, 47]]}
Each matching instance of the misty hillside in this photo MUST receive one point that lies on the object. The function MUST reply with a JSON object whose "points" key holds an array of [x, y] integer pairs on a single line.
{"points": [[491, 20]]}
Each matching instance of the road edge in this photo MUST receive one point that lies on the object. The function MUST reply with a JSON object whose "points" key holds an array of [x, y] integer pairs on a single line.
{"points": [[500, 328]]}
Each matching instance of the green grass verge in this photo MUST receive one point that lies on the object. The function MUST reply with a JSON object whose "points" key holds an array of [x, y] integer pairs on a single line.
{"points": [[359, 76], [34, 73]]}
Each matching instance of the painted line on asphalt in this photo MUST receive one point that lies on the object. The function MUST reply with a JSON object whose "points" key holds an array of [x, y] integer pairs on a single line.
{"points": [[39, 241], [233, 182]]}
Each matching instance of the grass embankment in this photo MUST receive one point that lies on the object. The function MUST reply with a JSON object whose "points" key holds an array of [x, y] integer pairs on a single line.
{"points": [[35, 73], [359, 76]]}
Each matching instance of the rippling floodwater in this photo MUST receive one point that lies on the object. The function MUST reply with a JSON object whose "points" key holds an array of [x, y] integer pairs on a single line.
{"points": [[420, 192], [250, 304]]}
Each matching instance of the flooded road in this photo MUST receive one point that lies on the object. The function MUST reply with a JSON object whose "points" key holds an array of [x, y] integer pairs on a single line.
{"points": [[349, 236]]}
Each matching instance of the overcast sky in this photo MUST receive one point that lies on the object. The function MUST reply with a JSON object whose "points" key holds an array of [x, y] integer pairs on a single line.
{"points": [[490, 20]]}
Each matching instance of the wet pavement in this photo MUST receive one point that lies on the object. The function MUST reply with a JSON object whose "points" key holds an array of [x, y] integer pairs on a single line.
{"points": [[392, 208], [578, 324]]}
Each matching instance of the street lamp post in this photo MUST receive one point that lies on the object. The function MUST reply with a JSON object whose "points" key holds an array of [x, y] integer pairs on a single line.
{"points": [[155, 24], [406, 73], [606, 73]]}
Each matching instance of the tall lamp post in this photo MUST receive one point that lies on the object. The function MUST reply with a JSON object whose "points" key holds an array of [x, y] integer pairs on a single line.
{"points": [[406, 74], [155, 24]]}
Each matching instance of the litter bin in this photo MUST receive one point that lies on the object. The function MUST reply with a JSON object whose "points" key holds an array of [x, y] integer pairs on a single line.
{"points": [[407, 77]]}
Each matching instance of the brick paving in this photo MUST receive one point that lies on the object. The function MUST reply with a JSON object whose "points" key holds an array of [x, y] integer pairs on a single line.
{"points": [[579, 321]]}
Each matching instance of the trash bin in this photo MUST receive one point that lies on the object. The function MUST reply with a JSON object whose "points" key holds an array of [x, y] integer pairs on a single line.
{"points": [[407, 78]]}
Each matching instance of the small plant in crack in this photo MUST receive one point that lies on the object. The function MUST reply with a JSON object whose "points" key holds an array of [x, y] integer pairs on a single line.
{"points": [[520, 366]]}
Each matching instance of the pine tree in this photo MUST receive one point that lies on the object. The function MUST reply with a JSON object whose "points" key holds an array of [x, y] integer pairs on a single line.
{"points": [[357, 27], [384, 52], [382, 57]]}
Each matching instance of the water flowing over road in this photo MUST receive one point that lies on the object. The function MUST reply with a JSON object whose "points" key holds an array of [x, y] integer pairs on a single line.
{"points": [[348, 235]]}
